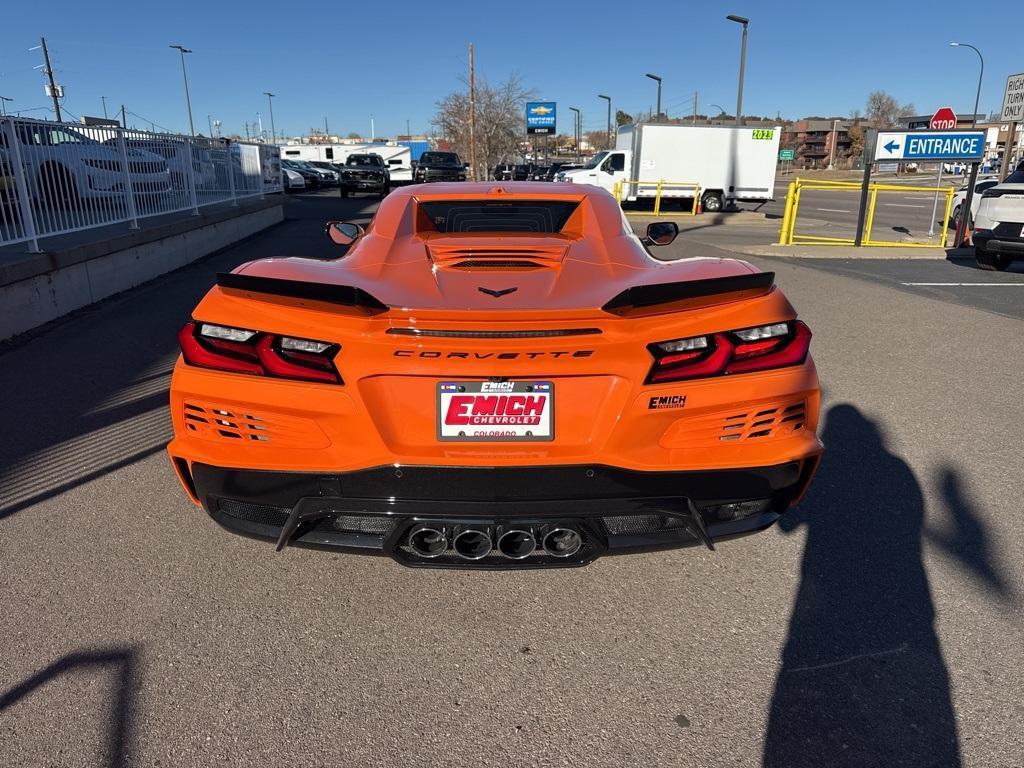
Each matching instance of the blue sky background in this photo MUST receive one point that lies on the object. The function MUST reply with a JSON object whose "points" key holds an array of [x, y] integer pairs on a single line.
{"points": [[323, 60]]}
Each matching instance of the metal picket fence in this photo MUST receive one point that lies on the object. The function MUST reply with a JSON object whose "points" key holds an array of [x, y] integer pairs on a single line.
{"points": [[57, 178]]}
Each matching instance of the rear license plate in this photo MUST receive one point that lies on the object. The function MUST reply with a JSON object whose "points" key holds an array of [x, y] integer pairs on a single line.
{"points": [[495, 410]]}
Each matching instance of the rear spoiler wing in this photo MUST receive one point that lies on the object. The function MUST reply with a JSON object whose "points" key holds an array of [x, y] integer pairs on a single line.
{"points": [[641, 300], [345, 295]]}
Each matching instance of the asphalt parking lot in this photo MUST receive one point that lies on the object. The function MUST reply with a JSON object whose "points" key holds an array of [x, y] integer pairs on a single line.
{"points": [[879, 625]]}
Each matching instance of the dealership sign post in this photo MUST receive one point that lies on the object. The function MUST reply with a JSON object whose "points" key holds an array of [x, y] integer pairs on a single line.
{"points": [[540, 117]]}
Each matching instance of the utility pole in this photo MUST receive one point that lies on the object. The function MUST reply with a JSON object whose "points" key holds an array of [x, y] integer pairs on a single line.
{"points": [[2, 100], [472, 113], [273, 128], [124, 122], [49, 76], [327, 131], [209, 124], [104, 99], [695, 95], [184, 74], [407, 131]]}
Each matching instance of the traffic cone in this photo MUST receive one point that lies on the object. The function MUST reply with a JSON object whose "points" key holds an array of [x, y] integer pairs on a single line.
{"points": [[699, 209]]}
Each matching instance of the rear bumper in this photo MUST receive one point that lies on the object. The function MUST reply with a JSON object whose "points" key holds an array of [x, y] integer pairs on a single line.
{"points": [[991, 243], [615, 510]]}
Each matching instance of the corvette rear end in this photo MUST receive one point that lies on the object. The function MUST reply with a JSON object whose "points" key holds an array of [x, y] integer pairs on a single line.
{"points": [[495, 376]]}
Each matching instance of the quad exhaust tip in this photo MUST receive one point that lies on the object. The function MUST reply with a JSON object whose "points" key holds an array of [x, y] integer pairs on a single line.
{"points": [[517, 543], [427, 541], [562, 542], [473, 543]]}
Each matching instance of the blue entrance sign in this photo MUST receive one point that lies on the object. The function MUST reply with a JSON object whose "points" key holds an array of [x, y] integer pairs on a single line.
{"points": [[925, 145], [540, 117]]}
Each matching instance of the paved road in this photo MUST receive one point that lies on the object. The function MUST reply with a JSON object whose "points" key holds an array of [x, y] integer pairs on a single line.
{"points": [[881, 625]]}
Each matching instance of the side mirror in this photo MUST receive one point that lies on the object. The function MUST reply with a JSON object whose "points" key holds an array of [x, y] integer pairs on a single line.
{"points": [[344, 232], [660, 233]]}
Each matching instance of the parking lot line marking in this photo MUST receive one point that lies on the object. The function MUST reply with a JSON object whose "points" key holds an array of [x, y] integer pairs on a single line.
{"points": [[833, 210], [903, 205], [1015, 285]]}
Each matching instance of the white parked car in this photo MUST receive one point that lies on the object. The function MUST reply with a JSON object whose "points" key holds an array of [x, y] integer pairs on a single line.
{"points": [[999, 224], [64, 165], [961, 195], [291, 180], [176, 153]]}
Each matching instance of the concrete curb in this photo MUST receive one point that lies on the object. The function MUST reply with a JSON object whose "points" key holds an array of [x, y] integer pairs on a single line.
{"points": [[849, 252], [84, 275]]}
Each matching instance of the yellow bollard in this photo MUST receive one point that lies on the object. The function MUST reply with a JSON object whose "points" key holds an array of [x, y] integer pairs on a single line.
{"points": [[791, 235], [657, 199], [945, 218], [784, 229], [870, 217]]}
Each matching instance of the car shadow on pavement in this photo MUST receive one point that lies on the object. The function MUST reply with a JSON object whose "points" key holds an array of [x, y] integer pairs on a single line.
{"points": [[123, 661], [863, 680]]}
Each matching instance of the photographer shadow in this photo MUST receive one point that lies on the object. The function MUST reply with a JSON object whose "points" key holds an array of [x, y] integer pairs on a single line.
{"points": [[863, 680]]}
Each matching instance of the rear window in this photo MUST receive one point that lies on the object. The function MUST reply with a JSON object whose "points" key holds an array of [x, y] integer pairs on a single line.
{"points": [[1017, 177], [440, 158], [539, 216]]}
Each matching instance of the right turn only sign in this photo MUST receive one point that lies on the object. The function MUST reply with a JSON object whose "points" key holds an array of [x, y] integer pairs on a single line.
{"points": [[1013, 99]]}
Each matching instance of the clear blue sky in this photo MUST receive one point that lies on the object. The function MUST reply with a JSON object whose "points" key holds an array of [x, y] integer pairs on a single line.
{"points": [[323, 60]]}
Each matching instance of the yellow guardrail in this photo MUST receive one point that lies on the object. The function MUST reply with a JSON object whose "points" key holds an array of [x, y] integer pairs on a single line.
{"points": [[789, 236], [660, 186]]}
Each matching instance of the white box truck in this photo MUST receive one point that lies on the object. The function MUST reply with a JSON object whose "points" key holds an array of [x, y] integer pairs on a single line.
{"points": [[397, 158], [726, 164]]}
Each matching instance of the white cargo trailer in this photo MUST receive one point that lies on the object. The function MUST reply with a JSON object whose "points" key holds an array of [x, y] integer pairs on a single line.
{"points": [[726, 164], [397, 158]]}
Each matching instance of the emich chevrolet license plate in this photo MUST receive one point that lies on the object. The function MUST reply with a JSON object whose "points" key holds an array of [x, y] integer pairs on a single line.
{"points": [[495, 410]]}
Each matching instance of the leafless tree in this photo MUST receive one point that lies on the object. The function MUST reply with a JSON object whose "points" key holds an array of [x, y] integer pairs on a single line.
{"points": [[500, 121], [883, 111], [597, 140]]}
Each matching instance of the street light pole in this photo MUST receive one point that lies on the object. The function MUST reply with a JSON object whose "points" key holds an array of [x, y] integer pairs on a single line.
{"points": [[977, 95], [184, 74], [576, 131], [743, 63], [965, 212], [835, 138], [609, 100], [273, 129], [721, 109], [2, 100], [658, 79]]}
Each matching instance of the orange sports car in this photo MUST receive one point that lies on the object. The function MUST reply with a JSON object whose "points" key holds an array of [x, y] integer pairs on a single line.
{"points": [[495, 375]]}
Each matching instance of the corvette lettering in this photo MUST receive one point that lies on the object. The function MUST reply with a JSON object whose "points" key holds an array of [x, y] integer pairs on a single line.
{"points": [[432, 354], [495, 410]]}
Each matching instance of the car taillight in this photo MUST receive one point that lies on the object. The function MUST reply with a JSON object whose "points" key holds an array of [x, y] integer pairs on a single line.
{"points": [[238, 350], [743, 351]]}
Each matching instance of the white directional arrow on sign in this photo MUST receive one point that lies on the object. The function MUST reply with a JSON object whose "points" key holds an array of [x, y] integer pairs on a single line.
{"points": [[890, 146]]}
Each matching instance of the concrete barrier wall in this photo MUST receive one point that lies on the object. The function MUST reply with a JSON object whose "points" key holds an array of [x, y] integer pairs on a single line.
{"points": [[44, 287]]}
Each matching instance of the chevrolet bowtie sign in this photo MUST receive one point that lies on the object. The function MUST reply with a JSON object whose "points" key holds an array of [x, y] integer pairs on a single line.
{"points": [[540, 117], [925, 145]]}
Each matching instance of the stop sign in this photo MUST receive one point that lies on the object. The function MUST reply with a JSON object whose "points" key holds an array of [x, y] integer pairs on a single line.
{"points": [[944, 119]]}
